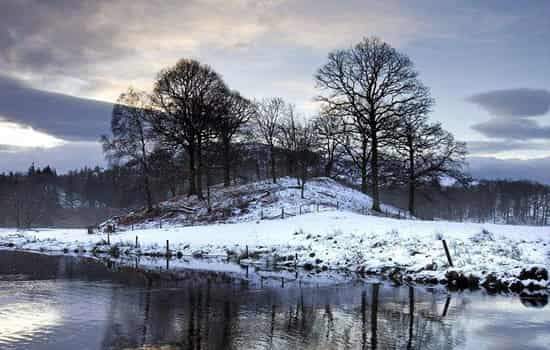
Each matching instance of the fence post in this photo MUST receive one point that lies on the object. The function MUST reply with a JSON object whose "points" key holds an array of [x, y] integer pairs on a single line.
{"points": [[246, 251], [300, 210], [282, 213], [167, 248], [447, 252], [160, 221], [137, 245], [261, 213], [108, 238], [337, 205], [317, 206]]}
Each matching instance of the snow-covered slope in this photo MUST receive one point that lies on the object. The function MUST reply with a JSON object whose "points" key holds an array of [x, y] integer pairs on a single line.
{"points": [[254, 201]]}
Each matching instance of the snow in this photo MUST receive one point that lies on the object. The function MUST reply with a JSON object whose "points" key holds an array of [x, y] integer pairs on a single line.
{"points": [[332, 239], [255, 201]]}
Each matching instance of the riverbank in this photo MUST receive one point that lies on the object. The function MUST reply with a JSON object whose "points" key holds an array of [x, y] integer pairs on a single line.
{"points": [[496, 256]]}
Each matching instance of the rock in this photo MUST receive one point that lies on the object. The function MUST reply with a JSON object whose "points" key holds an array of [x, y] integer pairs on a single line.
{"points": [[492, 284], [396, 276], [515, 286], [457, 280], [536, 273], [431, 267], [308, 266]]}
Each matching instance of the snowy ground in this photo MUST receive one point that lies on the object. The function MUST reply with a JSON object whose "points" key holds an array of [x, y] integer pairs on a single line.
{"points": [[334, 240], [254, 201]]}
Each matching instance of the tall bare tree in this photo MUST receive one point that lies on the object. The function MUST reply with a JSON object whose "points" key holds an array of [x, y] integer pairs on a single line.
{"points": [[239, 110], [190, 98], [131, 136], [370, 83], [330, 130], [269, 113], [306, 144], [427, 152], [288, 138]]}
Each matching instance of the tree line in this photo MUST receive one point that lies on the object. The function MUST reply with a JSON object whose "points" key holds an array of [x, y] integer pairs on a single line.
{"points": [[372, 123], [40, 197]]}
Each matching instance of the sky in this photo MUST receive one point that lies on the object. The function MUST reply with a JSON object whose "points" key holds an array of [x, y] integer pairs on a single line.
{"points": [[63, 63]]}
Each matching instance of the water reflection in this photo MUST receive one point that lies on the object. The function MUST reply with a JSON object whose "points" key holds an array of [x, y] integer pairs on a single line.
{"points": [[81, 310]]}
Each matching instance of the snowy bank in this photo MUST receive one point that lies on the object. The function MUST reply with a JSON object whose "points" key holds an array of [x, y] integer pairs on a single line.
{"points": [[405, 250]]}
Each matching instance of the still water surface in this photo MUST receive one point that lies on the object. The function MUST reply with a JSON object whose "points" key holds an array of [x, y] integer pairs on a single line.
{"points": [[70, 303]]}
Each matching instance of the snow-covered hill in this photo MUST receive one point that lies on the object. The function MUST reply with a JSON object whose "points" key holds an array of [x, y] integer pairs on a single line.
{"points": [[255, 201]]}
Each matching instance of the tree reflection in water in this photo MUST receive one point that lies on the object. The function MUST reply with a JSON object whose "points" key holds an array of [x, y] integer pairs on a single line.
{"points": [[122, 310], [202, 314]]}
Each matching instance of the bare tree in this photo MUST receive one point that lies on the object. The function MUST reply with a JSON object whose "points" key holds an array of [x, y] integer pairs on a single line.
{"points": [[329, 129], [288, 138], [131, 136], [369, 83], [306, 143], [238, 113], [190, 98], [269, 113], [427, 152]]}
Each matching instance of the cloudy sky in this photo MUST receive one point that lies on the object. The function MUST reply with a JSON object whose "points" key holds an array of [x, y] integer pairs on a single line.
{"points": [[62, 63]]}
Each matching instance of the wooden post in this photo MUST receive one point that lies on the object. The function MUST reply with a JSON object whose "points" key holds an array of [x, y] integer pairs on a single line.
{"points": [[282, 213], [300, 210], [132, 226], [137, 245], [261, 213], [108, 238], [282, 282], [246, 251], [167, 248], [447, 252], [337, 205], [296, 261], [160, 221], [317, 206]]}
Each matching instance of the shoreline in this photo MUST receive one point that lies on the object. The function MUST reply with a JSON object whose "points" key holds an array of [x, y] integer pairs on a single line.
{"points": [[497, 257]]}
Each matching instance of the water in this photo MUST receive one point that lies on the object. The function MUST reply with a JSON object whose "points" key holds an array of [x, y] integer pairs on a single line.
{"points": [[69, 303]]}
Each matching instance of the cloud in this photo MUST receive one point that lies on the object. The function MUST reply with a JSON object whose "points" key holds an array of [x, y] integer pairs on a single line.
{"points": [[514, 102], [499, 146], [63, 116], [537, 169], [516, 129], [98, 48]]}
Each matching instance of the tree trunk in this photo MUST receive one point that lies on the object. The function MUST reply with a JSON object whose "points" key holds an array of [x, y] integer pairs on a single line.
{"points": [[192, 171], [272, 160], [199, 170], [328, 167], [364, 162], [148, 195], [412, 180], [374, 173], [226, 163]]}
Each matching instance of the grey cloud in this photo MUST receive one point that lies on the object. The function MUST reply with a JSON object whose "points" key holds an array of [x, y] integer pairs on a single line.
{"points": [[519, 129], [51, 35], [64, 116], [514, 102], [497, 146], [514, 169]]}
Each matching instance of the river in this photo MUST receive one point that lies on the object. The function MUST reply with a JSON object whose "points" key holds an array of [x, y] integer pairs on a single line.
{"points": [[67, 302]]}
